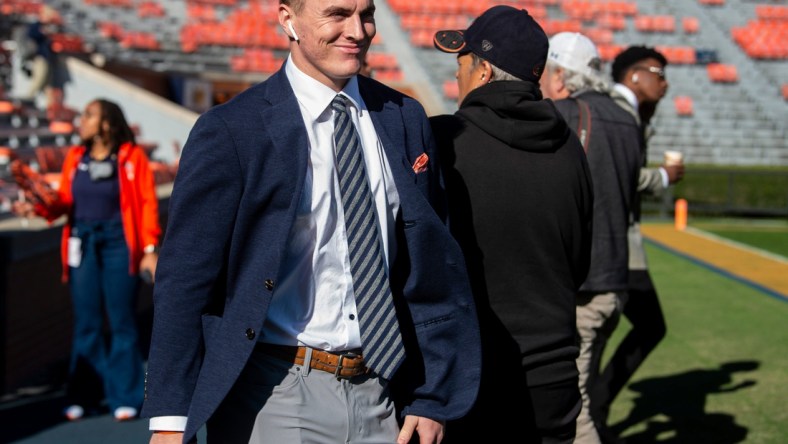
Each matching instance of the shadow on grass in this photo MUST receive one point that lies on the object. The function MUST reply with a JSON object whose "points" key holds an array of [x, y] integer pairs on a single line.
{"points": [[673, 407]]}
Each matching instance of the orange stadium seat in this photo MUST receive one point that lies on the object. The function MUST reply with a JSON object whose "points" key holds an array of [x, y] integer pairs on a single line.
{"points": [[6, 107], [785, 91], [679, 55], [389, 75], [256, 60], [421, 38], [622, 8], [763, 39], [722, 73], [451, 90], [126, 4], [552, 27], [382, 61], [771, 12], [655, 23], [683, 105], [580, 10], [613, 22], [609, 52], [150, 9], [691, 25], [67, 43], [600, 36]]}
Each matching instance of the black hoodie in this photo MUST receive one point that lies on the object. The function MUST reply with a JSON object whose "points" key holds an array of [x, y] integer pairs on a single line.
{"points": [[521, 200]]}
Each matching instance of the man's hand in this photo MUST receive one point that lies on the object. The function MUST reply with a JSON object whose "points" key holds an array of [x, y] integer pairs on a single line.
{"points": [[148, 263], [166, 438], [430, 431], [675, 172]]}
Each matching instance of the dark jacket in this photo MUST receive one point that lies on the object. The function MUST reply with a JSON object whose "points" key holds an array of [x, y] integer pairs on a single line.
{"points": [[614, 157], [520, 204]]}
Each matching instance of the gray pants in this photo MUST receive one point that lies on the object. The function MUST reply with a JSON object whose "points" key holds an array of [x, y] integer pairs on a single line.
{"points": [[276, 402], [597, 317]]}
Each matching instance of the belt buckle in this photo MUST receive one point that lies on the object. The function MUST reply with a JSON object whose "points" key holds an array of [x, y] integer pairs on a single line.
{"points": [[342, 356]]}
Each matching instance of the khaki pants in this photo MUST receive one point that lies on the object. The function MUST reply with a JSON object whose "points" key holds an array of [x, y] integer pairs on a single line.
{"points": [[597, 317]]}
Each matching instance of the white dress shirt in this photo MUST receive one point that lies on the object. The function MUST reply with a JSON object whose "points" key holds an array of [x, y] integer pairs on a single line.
{"points": [[313, 303]]}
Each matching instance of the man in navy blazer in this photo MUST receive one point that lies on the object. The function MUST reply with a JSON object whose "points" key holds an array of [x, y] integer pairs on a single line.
{"points": [[246, 175]]}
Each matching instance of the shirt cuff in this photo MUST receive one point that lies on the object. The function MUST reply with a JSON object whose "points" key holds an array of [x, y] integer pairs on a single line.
{"points": [[168, 423], [665, 179]]}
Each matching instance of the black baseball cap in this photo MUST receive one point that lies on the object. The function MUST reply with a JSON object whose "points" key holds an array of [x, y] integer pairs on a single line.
{"points": [[507, 37]]}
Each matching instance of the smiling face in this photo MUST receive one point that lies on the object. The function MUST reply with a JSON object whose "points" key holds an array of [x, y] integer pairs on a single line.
{"points": [[333, 37]]}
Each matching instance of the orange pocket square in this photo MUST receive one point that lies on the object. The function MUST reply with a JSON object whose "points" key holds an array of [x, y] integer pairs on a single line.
{"points": [[420, 165]]}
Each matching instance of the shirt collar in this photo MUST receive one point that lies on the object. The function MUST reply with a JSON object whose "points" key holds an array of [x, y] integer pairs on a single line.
{"points": [[627, 93], [316, 97]]}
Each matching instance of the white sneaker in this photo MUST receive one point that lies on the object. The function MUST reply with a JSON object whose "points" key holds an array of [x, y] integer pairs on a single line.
{"points": [[74, 412], [125, 413]]}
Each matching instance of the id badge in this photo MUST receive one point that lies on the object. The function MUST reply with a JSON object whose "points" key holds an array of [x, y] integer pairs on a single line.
{"points": [[74, 252]]}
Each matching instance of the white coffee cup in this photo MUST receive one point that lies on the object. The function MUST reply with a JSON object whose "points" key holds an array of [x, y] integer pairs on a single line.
{"points": [[674, 158]]}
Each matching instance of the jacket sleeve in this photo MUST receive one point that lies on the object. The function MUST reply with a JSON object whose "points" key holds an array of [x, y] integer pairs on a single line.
{"points": [[444, 382], [150, 229], [192, 260], [65, 198], [650, 181]]}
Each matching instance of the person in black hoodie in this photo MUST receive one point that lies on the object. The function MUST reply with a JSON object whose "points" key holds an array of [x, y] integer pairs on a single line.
{"points": [[520, 204]]}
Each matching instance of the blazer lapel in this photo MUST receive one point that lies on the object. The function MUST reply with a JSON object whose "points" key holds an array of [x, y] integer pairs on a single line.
{"points": [[387, 119], [289, 137]]}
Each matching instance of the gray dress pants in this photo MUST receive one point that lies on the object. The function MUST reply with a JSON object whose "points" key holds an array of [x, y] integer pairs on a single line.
{"points": [[278, 402]]}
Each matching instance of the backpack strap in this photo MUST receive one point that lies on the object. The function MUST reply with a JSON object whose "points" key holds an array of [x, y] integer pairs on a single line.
{"points": [[584, 123]]}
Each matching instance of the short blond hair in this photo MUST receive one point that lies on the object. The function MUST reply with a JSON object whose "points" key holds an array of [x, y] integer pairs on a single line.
{"points": [[297, 5]]}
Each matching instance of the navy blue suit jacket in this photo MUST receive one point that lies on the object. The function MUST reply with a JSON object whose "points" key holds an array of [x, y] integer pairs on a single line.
{"points": [[240, 178]]}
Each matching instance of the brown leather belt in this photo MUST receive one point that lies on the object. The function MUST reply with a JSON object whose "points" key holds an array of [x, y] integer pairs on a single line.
{"points": [[340, 364]]}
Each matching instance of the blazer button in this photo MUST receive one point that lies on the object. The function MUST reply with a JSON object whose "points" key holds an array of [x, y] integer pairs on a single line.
{"points": [[249, 334], [269, 284]]}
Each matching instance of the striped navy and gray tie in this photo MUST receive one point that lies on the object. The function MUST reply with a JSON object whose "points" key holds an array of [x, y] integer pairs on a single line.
{"points": [[380, 335]]}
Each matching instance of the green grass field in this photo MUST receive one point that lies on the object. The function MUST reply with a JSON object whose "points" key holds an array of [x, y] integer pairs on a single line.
{"points": [[721, 373]]}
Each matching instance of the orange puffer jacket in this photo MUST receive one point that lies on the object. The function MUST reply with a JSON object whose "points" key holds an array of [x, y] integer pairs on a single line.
{"points": [[139, 206]]}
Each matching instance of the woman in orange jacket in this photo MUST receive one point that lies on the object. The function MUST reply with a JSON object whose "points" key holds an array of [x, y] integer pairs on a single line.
{"points": [[110, 238]]}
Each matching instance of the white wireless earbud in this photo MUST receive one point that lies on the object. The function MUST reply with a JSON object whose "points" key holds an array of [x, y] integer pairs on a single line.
{"points": [[292, 30], [634, 77]]}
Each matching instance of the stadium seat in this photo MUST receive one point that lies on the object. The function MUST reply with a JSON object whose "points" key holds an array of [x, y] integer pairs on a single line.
{"points": [[451, 90], [691, 25], [6, 107], [722, 73], [683, 105]]}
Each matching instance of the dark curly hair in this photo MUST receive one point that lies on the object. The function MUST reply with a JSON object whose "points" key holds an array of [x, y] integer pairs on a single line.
{"points": [[632, 55]]}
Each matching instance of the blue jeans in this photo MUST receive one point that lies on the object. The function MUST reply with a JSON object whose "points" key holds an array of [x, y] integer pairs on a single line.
{"points": [[102, 284]]}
